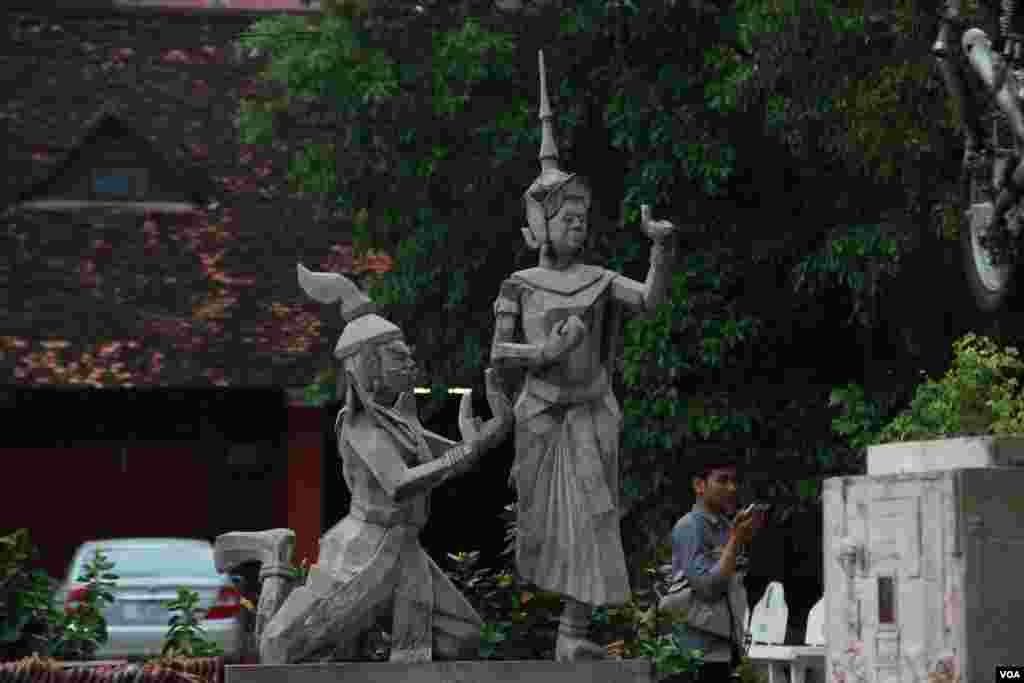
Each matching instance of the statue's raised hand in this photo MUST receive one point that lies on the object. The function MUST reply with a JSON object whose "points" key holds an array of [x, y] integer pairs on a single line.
{"points": [[498, 401], [469, 425], [658, 231], [563, 338], [483, 436]]}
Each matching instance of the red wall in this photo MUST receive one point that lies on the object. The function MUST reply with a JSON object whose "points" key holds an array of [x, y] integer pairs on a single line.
{"points": [[305, 473], [65, 496]]}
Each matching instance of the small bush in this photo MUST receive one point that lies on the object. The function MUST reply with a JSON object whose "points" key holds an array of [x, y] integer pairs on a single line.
{"points": [[979, 394], [83, 629], [522, 623], [185, 637], [29, 622]]}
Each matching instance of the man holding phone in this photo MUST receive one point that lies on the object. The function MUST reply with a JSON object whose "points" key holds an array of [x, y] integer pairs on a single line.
{"points": [[707, 556]]}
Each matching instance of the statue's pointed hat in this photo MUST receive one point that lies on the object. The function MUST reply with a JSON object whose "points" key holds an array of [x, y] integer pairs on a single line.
{"points": [[539, 207], [363, 324]]}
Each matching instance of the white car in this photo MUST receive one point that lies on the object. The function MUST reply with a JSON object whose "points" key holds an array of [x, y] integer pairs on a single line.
{"points": [[150, 571]]}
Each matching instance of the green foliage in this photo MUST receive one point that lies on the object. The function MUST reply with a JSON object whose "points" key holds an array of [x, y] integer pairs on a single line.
{"points": [[325, 57], [723, 94], [416, 275], [185, 636], [519, 623], [83, 628], [28, 619], [255, 123], [860, 422], [979, 394], [313, 169], [670, 656], [746, 673], [459, 58], [760, 18], [682, 339], [856, 259], [885, 121], [300, 574], [323, 388]]}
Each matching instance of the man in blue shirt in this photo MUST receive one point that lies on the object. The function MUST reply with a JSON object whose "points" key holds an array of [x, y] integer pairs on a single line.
{"points": [[706, 550]]}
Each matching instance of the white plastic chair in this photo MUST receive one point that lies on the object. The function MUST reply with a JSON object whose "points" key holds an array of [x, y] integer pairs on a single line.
{"points": [[768, 631]]}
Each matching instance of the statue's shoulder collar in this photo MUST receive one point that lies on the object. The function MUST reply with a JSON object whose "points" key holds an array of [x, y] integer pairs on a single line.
{"points": [[563, 282]]}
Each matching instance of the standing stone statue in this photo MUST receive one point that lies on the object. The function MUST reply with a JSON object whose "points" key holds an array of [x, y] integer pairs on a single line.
{"points": [[558, 321], [371, 562]]}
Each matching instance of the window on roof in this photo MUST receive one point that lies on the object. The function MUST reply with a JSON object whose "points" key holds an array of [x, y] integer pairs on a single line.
{"points": [[119, 183]]}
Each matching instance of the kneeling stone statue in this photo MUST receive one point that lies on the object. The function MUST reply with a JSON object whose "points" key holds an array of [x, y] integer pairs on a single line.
{"points": [[371, 562]]}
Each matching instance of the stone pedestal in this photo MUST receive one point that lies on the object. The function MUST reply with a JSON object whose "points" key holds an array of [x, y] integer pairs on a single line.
{"points": [[946, 454], [922, 561], [626, 671]]}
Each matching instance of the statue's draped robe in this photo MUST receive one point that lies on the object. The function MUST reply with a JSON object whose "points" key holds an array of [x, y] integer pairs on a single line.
{"points": [[371, 561], [568, 423]]}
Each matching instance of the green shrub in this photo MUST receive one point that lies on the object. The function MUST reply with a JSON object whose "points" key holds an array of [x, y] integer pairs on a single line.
{"points": [[185, 637], [29, 622], [979, 394], [83, 629], [521, 622]]}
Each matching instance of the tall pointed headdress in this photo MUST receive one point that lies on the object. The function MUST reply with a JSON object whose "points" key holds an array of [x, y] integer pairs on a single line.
{"points": [[541, 199], [363, 325]]}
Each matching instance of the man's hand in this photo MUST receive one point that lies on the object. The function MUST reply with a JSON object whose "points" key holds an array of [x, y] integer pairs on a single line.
{"points": [[747, 524]]}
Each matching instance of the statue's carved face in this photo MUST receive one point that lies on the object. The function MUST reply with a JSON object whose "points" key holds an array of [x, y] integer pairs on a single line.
{"points": [[568, 228], [398, 370]]}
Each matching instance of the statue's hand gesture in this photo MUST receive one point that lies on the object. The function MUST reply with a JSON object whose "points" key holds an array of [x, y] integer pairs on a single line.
{"points": [[483, 436], [469, 425], [497, 399], [564, 337], [659, 231]]}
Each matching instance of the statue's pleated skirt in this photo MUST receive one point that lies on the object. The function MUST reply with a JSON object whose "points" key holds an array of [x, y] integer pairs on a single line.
{"points": [[566, 473]]}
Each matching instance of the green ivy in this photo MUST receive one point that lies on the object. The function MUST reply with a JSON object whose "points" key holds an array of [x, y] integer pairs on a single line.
{"points": [[860, 422], [459, 58], [722, 94], [313, 169], [255, 123], [764, 19], [856, 259]]}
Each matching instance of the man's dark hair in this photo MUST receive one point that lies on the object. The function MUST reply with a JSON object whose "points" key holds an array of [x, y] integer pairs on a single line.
{"points": [[704, 470]]}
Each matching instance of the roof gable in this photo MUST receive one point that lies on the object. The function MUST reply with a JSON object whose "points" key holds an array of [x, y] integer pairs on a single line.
{"points": [[114, 164]]}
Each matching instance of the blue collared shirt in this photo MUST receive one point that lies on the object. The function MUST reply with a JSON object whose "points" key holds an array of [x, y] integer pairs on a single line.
{"points": [[697, 541]]}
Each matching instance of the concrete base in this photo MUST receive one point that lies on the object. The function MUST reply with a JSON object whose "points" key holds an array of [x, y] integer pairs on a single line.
{"points": [[485, 671], [945, 454]]}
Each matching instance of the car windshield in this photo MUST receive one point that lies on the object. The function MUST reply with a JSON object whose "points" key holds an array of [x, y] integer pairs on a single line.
{"points": [[156, 560]]}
